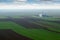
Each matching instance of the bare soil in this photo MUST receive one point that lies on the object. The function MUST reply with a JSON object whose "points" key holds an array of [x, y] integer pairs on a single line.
{"points": [[8, 34]]}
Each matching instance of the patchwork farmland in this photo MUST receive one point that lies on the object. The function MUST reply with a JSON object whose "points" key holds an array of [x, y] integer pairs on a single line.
{"points": [[29, 28]]}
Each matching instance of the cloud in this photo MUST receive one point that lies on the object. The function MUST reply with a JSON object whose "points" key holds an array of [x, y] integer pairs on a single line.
{"points": [[28, 6], [21, 0]]}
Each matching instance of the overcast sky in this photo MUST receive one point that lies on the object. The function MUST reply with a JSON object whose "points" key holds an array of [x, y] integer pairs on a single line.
{"points": [[30, 1], [42, 4]]}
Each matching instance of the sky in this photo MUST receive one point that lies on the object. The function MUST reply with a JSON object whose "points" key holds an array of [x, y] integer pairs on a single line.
{"points": [[29, 4], [30, 1]]}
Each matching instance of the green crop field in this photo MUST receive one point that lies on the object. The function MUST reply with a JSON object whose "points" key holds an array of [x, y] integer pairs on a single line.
{"points": [[36, 34], [3, 17]]}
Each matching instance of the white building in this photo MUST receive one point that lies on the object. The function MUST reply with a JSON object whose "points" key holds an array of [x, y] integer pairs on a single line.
{"points": [[40, 15]]}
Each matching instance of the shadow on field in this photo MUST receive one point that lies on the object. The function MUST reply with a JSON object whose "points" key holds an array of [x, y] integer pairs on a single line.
{"points": [[8, 34]]}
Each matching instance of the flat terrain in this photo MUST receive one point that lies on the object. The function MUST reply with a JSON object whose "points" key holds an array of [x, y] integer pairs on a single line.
{"points": [[30, 28], [34, 23], [7, 34]]}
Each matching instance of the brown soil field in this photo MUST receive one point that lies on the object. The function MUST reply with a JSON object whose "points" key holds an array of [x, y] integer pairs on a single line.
{"points": [[8, 34]]}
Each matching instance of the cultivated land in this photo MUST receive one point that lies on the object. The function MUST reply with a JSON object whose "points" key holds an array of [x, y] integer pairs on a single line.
{"points": [[29, 28]]}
